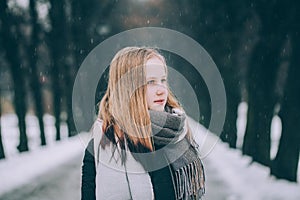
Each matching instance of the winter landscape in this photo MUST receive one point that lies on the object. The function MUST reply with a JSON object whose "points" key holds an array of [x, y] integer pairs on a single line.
{"points": [[229, 174], [235, 62]]}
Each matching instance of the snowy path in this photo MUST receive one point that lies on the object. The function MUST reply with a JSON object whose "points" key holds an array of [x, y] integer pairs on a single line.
{"points": [[64, 183], [54, 172], [60, 183], [62, 179]]}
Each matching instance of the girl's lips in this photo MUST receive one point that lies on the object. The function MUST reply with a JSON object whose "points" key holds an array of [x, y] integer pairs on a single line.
{"points": [[160, 101]]}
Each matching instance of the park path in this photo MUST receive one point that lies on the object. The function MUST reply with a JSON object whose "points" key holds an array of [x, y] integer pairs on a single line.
{"points": [[64, 183]]}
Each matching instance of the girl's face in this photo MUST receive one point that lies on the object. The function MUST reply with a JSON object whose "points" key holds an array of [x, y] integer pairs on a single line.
{"points": [[157, 90]]}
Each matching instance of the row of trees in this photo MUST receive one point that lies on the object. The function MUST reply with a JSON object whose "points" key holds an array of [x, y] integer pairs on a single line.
{"points": [[254, 43], [256, 47], [45, 52]]}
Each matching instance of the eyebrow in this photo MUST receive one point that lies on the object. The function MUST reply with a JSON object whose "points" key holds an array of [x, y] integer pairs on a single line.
{"points": [[152, 77]]}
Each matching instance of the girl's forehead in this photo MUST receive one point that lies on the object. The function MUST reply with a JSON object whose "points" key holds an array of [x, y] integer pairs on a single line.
{"points": [[155, 68], [155, 62]]}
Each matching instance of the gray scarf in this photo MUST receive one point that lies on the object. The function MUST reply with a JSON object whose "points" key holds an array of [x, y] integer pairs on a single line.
{"points": [[173, 148], [169, 130]]}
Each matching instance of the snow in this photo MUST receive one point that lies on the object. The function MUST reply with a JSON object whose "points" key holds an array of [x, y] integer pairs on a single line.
{"points": [[21, 3], [18, 169], [241, 123], [249, 180], [275, 135], [245, 180], [10, 132]]}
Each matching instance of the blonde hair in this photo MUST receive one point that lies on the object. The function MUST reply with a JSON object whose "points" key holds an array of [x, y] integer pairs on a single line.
{"points": [[124, 105]]}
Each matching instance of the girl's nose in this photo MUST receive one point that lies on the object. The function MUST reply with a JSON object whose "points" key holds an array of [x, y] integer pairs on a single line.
{"points": [[161, 89]]}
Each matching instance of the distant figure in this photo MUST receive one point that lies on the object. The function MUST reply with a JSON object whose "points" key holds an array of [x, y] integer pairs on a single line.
{"points": [[142, 147]]}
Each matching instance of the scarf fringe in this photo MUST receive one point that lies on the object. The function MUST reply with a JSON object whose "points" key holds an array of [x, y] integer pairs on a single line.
{"points": [[189, 181]]}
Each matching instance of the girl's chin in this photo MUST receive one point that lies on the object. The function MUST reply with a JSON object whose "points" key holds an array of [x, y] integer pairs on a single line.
{"points": [[157, 108]]}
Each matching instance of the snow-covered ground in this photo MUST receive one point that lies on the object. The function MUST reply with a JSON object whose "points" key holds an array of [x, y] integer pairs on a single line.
{"points": [[10, 132], [245, 180], [18, 169]]}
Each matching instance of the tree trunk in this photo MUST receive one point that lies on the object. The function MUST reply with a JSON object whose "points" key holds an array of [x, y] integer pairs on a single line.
{"points": [[68, 94], [229, 133], [261, 83], [12, 54], [55, 43], [285, 164], [69, 71], [261, 101], [81, 23], [2, 153], [34, 78]]}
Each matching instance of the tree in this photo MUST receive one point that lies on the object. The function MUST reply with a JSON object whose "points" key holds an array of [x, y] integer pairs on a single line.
{"points": [[85, 23], [55, 43], [236, 16], [285, 164], [34, 77], [286, 161], [9, 37], [2, 153], [262, 72], [61, 50]]}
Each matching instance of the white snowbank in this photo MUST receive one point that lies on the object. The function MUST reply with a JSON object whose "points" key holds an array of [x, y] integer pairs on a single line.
{"points": [[19, 170], [247, 180]]}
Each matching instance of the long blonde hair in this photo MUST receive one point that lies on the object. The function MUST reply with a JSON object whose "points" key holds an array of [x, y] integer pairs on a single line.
{"points": [[124, 105]]}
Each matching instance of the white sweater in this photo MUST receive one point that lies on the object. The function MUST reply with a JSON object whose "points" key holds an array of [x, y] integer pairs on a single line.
{"points": [[111, 180]]}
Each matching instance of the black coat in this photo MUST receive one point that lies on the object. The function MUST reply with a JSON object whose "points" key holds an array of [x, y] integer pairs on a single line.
{"points": [[161, 179]]}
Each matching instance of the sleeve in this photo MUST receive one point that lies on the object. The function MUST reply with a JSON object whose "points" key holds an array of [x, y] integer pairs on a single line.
{"points": [[88, 184]]}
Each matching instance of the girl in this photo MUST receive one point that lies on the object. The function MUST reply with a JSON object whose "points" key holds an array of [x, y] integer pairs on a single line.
{"points": [[142, 147]]}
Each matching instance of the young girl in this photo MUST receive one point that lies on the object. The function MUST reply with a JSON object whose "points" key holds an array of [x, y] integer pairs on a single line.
{"points": [[142, 147]]}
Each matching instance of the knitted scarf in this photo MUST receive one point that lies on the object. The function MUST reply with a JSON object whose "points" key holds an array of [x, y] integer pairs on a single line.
{"points": [[173, 147], [169, 130]]}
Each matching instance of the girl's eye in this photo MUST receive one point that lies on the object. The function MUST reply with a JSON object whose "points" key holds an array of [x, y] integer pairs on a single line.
{"points": [[150, 82]]}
